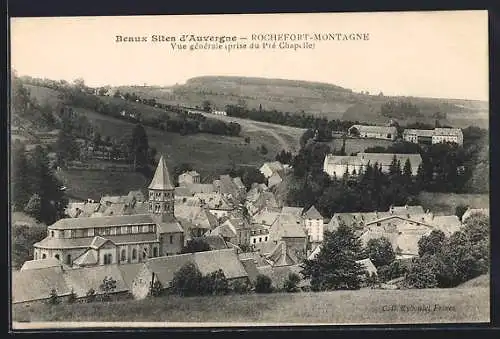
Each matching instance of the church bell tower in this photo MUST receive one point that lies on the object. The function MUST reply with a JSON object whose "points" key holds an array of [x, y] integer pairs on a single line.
{"points": [[161, 194]]}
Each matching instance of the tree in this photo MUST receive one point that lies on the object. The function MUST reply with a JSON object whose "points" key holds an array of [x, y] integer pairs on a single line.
{"points": [[291, 283], [108, 286], [66, 147], [460, 210], [380, 251], [90, 296], [247, 140], [34, 207], [156, 288], [19, 178], [422, 273], [139, 146], [263, 284], [53, 297], [215, 283], [197, 244], [72, 297], [263, 149], [431, 244], [335, 265], [187, 281], [207, 105]]}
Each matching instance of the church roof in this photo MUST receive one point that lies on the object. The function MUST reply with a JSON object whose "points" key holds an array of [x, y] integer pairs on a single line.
{"points": [[161, 179], [119, 220], [312, 213]]}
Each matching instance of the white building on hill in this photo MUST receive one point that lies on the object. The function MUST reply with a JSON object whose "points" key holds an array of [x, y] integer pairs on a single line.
{"points": [[435, 136], [377, 132], [337, 165]]}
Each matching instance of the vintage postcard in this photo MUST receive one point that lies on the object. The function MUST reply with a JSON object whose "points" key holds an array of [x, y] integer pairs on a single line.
{"points": [[250, 170]]}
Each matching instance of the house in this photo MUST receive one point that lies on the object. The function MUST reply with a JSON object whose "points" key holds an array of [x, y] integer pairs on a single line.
{"points": [[314, 224], [163, 269], [258, 234], [263, 201], [283, 255], [435, 136], [189, 177], [119, 238], [290, 229], [338, 165], [377, 132], [196, 221], [368, 266], [475, 211], [265, 217], [274, 180], [269, 168], [226, 186], [108, 200], [216, 203]]}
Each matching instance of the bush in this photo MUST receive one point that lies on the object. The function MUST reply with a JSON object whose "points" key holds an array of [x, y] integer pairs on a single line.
{"points": [[108, 286], [53, 297], [188, 281], [240, 287], [263, 284], [291, 283], [422, 273], [215, 283], [90, 296], [72, 297]]}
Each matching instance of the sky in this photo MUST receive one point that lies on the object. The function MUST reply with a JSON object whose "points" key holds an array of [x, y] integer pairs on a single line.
{"points": [[431, 54]]}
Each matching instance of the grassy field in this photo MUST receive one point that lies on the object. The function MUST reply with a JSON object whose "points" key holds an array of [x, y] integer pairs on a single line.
{"points": [[206, 152], [357, 145], [339, 307], [94, 184], [445, 203]]}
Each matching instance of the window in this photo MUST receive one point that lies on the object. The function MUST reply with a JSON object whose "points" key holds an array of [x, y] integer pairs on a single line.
{"points": [[68, 259], [135, 229], [265, 239], [157, 208], [254, 240], [144, 253], [260, 239], [145, 229], [44, 256], [52, 234], [151, 228], [56, 256], [134, 254], [171, 239], [155, 251], [107, 231], [36, 255], [90, 232], [124, 255], [118, 231]]}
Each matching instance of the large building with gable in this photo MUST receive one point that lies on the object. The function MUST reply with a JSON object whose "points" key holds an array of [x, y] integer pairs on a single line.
{"points": [[123, 239]]}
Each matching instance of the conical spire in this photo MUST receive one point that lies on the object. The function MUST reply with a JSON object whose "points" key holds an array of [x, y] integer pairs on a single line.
{"points": [[161, 179]]}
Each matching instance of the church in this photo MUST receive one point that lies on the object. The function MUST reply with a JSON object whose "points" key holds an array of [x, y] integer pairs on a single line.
{"points": [[90, 241]]}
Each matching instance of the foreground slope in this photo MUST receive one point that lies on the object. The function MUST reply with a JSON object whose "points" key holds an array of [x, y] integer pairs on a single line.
{"points": [[338, 307]]}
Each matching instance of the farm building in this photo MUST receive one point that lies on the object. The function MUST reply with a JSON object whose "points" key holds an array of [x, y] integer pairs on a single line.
{"points": [[434, 136], [376, 132], [337, 165]]}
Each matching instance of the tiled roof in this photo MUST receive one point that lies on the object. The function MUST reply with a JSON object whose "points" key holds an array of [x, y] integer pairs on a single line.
{"points": [[165, 268], [88, 258], [129, 272], [312, 213], [368, 265], [29, 285], [40, 263], [97, 242], [282, 256], [83, 279], [296, 211], [172, 226], [161, 179], [419, 132], [216, 242], [251, 268], [257, 257], [61, 243], [474, 211], [77, 223], [265, 218], [227, 260], [448, 131]]}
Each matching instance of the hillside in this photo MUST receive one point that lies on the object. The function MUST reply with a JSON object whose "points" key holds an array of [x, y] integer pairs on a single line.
{"points": [[320, 99], [337, 307], [209, 154]]}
